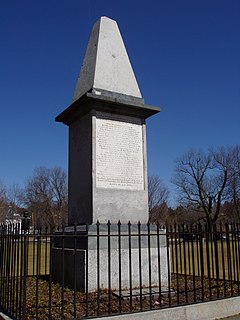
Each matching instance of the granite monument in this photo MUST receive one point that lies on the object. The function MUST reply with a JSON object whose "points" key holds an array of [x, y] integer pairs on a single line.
{"points": [[108, 167]]}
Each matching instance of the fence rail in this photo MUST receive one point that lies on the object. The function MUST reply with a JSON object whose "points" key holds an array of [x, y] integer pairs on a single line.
{"points": [[88, 271]]}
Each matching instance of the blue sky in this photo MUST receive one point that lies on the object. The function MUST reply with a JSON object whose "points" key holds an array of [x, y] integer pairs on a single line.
{"points": [[186, 58]]}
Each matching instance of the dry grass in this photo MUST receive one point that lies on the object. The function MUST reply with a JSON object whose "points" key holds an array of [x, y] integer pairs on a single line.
{"points": [[191, 281], [67, 304], [38, 257], [223, 258]]}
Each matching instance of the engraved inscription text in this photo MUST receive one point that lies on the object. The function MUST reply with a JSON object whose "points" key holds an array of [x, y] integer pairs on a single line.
{"points": [[119, 152]]}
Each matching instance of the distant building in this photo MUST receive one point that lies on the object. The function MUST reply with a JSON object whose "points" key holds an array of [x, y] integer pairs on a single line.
{"points": [[13, 219]]}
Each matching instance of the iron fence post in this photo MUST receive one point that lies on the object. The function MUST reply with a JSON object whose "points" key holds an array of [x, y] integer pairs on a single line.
{"points": [[25, 229]]}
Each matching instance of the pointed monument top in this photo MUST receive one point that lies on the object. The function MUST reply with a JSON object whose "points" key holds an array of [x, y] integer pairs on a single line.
{"points": [[106, 65]]}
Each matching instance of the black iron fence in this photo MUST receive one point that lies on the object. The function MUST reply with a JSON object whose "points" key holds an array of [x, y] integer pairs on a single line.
{"points": [[97, 270]]}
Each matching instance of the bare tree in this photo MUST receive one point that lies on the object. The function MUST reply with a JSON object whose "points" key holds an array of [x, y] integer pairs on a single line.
{"points": [[3, 202], [14, 196], [234, 184], [184, 215], [201, 179], [45, 196], [158, 195]]}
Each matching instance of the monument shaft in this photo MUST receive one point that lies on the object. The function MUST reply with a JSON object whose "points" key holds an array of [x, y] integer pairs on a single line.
{"points": [[108, 168], [107, 135]]}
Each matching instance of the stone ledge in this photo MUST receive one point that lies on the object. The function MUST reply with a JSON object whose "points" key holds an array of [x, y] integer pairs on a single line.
{"points": [[218, 309], [4, 317]]}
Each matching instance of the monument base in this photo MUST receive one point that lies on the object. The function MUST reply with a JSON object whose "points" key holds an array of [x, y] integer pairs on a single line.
{"points": [[109, 259]]}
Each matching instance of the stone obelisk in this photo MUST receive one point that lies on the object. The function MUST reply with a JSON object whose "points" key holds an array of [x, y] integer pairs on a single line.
{"points": [[107, 135], [107, 171]]}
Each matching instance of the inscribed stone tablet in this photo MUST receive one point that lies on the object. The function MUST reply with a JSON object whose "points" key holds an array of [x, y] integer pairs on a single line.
{"points": [[119, 152]]}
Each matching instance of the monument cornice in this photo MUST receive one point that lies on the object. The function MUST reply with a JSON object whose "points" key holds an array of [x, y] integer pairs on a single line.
{"points": [[109, 102]]}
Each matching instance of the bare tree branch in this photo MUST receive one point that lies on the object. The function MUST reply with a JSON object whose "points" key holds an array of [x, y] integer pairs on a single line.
{"points": [[45, 195], [158, 195], [201, 179]]}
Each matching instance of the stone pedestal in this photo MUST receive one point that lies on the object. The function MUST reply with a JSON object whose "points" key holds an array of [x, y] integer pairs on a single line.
{"points": [[105, 259]]}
